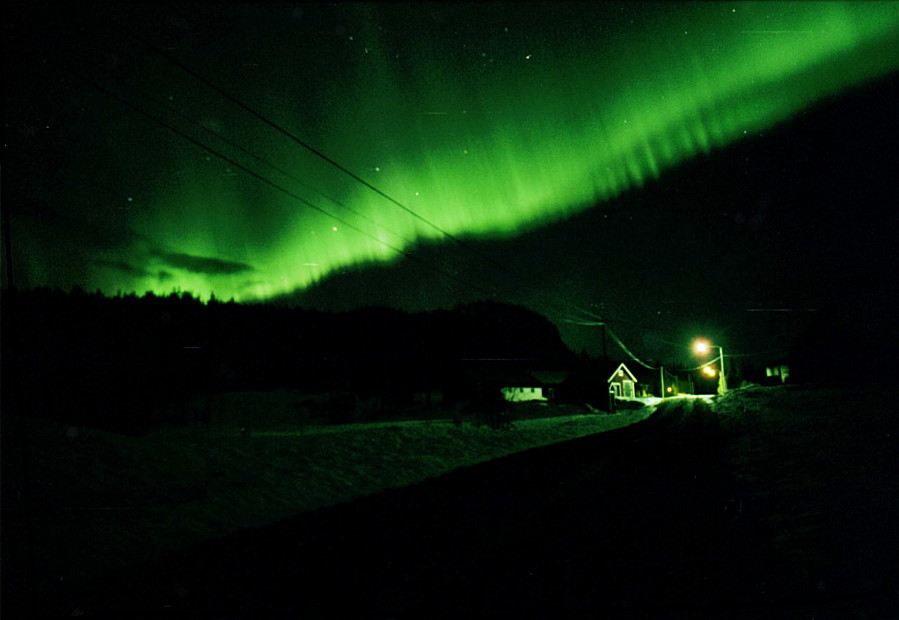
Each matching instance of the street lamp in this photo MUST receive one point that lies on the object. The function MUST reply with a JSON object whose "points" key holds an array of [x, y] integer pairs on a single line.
{"points": [[702, 347]]}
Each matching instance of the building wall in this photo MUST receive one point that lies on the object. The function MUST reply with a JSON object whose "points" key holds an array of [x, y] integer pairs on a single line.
{"points": [[624, 389], [781, 371], [522, 394]]}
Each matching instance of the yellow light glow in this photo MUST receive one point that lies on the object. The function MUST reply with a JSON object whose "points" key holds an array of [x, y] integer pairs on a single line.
{"points": [[708, 371], [701, 347]]}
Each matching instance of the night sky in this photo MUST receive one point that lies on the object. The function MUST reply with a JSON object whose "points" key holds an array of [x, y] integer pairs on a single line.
{"points": [[725, 169]]}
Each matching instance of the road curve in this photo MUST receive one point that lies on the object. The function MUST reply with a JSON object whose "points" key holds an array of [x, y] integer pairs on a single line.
{"points": [[628, 522]]}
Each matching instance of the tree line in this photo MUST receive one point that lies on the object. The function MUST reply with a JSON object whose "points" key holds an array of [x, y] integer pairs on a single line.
{"points": [[116, 362]]}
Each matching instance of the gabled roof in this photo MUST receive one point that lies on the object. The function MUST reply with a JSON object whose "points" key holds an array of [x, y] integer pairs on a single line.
{"points": [[621, 366], [524, 378], [512, 372], [550, 377]]}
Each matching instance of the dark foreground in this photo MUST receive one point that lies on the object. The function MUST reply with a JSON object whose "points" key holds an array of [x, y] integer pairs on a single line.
{"points": [[778, 509]]}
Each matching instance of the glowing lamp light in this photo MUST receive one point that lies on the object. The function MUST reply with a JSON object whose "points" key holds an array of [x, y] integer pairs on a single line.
{"points": [[701, 346]]}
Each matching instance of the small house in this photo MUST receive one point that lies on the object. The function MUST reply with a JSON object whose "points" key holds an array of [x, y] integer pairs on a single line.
{"points": [[623, 383], [779, 373], [512, 380], [532, 385], [521, 394]]}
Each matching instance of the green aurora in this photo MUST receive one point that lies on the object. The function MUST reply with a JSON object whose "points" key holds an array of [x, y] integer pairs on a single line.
{"points": [[483, 138]]}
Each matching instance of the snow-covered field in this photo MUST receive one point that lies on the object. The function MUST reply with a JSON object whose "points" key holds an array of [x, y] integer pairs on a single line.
{"points": [[816, 480], [102, 501]]}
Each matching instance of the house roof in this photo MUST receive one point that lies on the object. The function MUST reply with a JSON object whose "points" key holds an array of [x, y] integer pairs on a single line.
{"points": [[512, 373], [550, 377], [523, 378], [620, 367]]}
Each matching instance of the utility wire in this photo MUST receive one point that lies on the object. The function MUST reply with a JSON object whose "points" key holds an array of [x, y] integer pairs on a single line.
{"points": [[275, 185], [472, 286], [196, 75], [254, 174], [561, 301], [252, 155], [320, 154], [324, 157], [297, 140], [700, 367], [628, 351], [616, 339]]}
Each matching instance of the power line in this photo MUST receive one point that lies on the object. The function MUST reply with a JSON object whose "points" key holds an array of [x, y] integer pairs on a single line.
{"points": [[628, 351], [616, 339], [324, 157], [297, 140], [257, 158], [273, 184], [559, 300], [267, 181]]}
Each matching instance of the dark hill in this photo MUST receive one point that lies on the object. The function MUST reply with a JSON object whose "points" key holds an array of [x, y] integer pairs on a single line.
{"points": [[112, 362]]}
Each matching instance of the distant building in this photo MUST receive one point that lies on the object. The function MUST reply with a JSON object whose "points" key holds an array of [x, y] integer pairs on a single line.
{"points": [[523, 394], [623, 383], [780, 371], [512, 380], [533, 385]]}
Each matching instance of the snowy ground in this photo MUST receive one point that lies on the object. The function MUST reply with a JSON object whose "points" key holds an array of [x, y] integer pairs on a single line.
{"points": [[783, 504], [817, 487], [101, 502]]}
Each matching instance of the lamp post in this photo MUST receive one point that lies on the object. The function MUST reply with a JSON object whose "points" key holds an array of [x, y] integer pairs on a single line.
{"points": [[702, 347]]}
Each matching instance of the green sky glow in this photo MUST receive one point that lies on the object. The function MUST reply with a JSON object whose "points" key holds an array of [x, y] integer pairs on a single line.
{"points": [[484, 138]]}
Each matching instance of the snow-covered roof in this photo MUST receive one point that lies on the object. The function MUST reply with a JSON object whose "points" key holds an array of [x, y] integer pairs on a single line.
{"points": [[621, 367]]}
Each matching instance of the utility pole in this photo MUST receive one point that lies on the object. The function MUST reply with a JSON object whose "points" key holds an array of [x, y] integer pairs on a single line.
{"points": [[605, 356], [722, 378]]}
